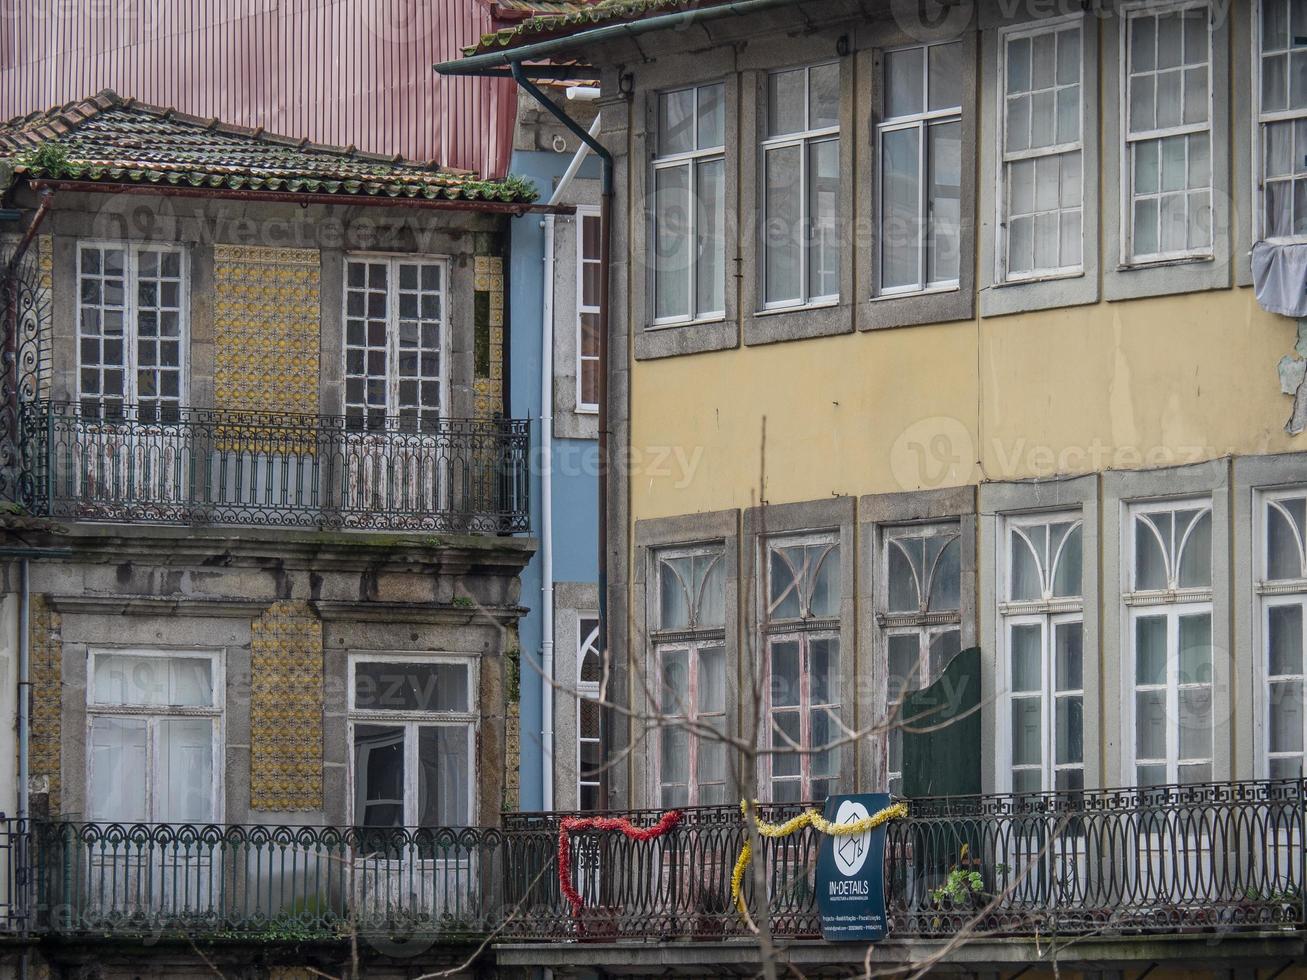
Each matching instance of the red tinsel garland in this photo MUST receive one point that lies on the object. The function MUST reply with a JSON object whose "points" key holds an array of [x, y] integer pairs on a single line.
{"points": [[568, 824]]}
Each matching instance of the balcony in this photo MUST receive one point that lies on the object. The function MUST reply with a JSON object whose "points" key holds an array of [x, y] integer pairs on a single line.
{"points": [[1218, 858], [208, 467]]}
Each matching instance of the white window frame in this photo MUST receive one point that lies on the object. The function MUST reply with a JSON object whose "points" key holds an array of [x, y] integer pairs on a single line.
{"points": [[154, 713], [1149, 8], [1048, 612], [692, 640], [1173, 604], [131, 326], [410, 721], [803, 139], [920, 121], [1054, 25], [582, 309], [393, 260], [1260, 123], [587, 643], [691, 160], [1268, 595]]}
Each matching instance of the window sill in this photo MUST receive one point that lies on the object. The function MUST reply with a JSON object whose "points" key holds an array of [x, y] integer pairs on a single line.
{"points": [[586, 411], [1036, 280], [681, 324], [913, 293], [1165, 263], [825, 304]]}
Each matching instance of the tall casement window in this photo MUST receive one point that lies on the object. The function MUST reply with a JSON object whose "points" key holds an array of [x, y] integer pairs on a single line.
{"points": [[1282, 119], [1168, 142], [395, 364], [689, 212], [802, 647], [131, 330], [800, 156], [1282, 593], [1169, 602], [1040, 226], [1042, 615], [589, 676], [588, 272], [412, 728], [920, 618], [154, 721], [920, 141], [689, 648]]}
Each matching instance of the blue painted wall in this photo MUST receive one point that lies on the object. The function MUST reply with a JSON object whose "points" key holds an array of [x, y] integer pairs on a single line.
{"points": [[576, 488]]}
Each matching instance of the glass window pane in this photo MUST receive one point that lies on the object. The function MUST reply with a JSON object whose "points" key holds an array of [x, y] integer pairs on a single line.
{"points": [[782, 234], [1026, 578], [1196, 558], [824, 208], [904, 90], [1284, 521], [903, 596], [712, 680], [118, 767], [824, 671], [1195, 722], [784, 673], [945, 200], [823, 96], [1018, 65], [710, 277], [674, 603], [676, 683], [786, 102], [673, 253], [710, 573], [946, 578], [944, 646], [1196, 649], [1150, 553], [1027, 657], [379, 775], [675, 754], [1068, 56], [900, 231], [904, 665], [1070, 564], [1027, 731], [184, 789], [1284, 640], [400, 686], [825, 578], [1150, 650], [1070, 730], [676, 122], [1068, 643], [1286, 721], [444, 783], [1150, 725], [785, 567], [711, 108], [785, 736], [945, 76]]}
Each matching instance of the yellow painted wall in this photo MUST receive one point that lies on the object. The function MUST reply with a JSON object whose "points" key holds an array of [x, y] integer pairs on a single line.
{"points": [[1125, 385]]}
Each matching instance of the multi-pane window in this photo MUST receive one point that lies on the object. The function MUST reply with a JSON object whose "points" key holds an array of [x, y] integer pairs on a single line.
{"points": [[1282, 588], [588, 273], [1042, 615], [412, 731], [1282, 118], [1169, 598], [1042, 181], [920, 618], [589, 716], [801, 187], [154, 722], [689, 213], [1168, 143], [131, 329], [920, 147], [689, 647], [802, 647], [394, 340]]}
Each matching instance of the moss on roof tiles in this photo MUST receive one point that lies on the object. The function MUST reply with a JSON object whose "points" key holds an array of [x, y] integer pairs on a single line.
{"points": [[562, 17], [106, 138]]}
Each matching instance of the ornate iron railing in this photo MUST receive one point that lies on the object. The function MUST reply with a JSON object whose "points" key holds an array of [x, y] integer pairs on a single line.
{"points": [[1215, 858], [208, 467]]}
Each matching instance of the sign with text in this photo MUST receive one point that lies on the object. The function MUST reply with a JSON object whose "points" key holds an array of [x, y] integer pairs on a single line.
{"points": [[850, 872]]}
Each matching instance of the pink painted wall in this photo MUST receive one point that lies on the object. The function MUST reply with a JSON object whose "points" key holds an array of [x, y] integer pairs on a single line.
{"points": [[337, 71]]}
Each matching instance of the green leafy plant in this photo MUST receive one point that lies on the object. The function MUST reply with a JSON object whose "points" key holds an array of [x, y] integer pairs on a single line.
{"points": [[958, 888], [50, 159]]}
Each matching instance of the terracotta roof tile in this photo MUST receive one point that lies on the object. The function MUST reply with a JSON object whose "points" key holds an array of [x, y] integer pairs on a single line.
{"points": [[557, 18]]}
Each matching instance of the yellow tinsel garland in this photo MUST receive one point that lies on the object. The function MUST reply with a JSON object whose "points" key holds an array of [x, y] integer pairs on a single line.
{"points": [[809, 818]]}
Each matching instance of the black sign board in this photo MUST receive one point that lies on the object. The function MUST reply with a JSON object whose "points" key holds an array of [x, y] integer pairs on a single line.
{"points": [[850, 873]]}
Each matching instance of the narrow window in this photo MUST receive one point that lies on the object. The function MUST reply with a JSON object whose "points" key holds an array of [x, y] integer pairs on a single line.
{"points": [[395, 365], [132, 330], [690, 660], [689, 212], [154, 723], [589, 730], [413, 732], [1282, 590], [802, 647], [1169, 599], [920, 619], [1042, 182], [1282, 118], [801, 187], [920, 147], [1042, 614], [588, 274], [1168, 143]]}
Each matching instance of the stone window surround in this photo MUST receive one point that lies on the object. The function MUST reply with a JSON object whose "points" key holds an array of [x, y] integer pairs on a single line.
{"points": [[1252, 475], [1120, 489], [569, 423], [997, 502], [1060, 289], [660, 534], [1123, 280], [572, 600], [876, 514], [190, 225]]}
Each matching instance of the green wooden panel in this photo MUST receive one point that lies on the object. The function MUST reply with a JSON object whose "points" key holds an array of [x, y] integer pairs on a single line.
{"points": [[941, 732]]}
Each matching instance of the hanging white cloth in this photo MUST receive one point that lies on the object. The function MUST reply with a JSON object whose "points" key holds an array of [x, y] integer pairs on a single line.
{"points": [[1280, 278]]}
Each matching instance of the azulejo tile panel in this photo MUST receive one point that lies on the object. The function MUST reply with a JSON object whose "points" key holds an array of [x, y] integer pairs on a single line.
{"points": [[47, 697], [286, 709]]}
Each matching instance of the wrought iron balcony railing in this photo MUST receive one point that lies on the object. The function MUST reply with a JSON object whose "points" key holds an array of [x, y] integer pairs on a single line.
{"points": [[1216, 858], [208, 467]]}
